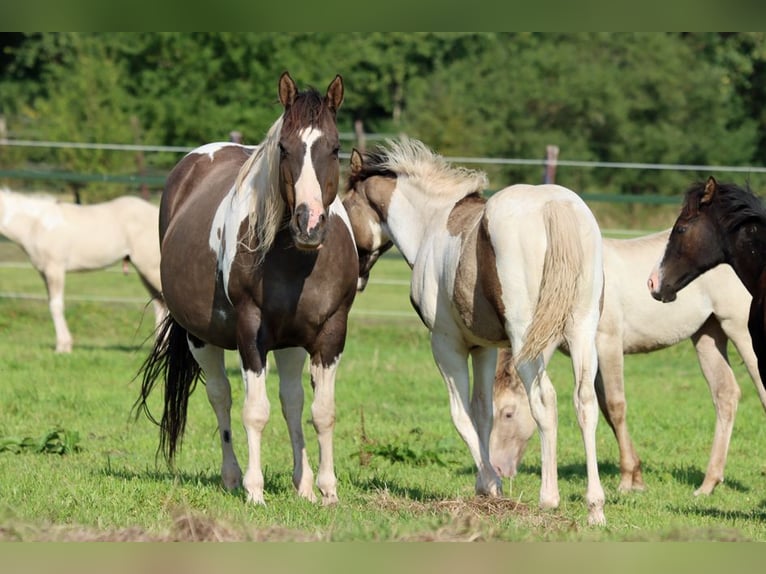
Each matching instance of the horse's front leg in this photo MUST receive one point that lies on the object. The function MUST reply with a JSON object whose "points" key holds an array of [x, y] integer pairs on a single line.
{"points": [[710, 343], [211, 360], [451, 358], [323, 418], [255, 412], [484, 361], [290, 364], [54, 283]]}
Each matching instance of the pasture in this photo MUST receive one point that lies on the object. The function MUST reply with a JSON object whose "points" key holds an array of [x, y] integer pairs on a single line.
{"points": [[404, 474]]}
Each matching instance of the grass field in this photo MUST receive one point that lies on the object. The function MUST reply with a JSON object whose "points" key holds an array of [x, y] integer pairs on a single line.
{"points": [[404, 474]]}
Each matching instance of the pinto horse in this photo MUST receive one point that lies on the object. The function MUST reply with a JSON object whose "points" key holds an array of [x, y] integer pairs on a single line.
{"points": [[258, 256], [522, 268], [62, 237], [711, 312], [719, 223]]}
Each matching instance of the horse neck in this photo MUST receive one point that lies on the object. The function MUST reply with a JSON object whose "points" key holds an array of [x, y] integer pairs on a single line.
{"points": [[18, 213], [745, 253], [413, 215]]}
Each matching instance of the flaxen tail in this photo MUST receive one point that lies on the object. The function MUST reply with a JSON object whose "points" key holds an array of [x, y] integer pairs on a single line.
{"points": [[559, 284], [172, 361]]}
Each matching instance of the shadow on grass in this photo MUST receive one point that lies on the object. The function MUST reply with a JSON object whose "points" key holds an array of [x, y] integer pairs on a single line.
{"points": [[758, 514], [568, 471], [377, 484], [275, 484]]}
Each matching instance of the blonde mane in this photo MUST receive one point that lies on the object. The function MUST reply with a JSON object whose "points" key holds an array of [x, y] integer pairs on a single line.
{"points": [[431, 171], [259, 178]]}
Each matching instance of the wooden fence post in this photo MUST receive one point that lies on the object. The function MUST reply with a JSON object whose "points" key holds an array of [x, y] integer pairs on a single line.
{"points": [[551, 159]]}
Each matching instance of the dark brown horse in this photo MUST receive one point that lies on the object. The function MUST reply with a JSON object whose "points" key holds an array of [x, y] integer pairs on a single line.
{"points": [[258, 256], [719, 223]]}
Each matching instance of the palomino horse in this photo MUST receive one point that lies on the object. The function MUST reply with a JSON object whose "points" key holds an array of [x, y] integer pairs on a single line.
{"points": [[258, 256], [60, 237], [719, 223], [522, 268], [711, 311]]}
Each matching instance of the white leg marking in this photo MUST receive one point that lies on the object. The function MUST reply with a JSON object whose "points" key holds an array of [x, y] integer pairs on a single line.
{"points": [[218, 388], [255, 415], [323, 418]]}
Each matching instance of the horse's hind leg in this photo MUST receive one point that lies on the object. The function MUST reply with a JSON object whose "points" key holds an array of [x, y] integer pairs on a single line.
{"points": [[710, 343], [542, 403], [211, 361], [584, 364], [54, 284], [610, 391], [290, 364]]}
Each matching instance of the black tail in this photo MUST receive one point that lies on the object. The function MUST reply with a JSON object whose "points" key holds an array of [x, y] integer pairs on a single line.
{"points": [[171, 359]]}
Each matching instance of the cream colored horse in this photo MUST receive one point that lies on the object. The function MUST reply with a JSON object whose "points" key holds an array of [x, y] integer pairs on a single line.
{"points": [[711, 311], [60, 237]]}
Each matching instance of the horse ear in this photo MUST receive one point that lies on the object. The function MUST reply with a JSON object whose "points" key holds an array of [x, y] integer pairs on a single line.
{"points": [[356, 162], [334, 96], [710, 188], [287, 90]]}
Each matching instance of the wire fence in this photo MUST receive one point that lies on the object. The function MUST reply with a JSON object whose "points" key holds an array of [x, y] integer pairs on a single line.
{"points": [[157, 180]]}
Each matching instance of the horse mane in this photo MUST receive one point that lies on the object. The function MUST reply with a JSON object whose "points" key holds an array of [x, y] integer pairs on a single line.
{"points": [[259, 175], [427, 169], [735, 205], [259, 178]]}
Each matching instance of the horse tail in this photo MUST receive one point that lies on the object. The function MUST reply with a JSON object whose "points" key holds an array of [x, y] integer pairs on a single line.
{"points": [[172, 360], [558, 287]]}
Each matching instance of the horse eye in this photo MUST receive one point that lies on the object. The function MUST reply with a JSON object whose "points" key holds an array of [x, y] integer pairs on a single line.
{"points": [[680, 229], [282, 151], [335, 151]]}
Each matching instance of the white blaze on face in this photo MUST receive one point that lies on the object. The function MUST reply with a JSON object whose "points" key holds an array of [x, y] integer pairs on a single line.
{"points": [[307, 188]]}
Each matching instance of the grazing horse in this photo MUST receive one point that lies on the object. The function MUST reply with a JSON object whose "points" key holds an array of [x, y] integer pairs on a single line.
{"points": [[522, 268], [711, 311], [719, 223], [60, 237], [258, 256]]}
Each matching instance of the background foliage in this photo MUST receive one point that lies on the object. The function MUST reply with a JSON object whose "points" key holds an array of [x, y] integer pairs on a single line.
{"points": [[689, 98]]}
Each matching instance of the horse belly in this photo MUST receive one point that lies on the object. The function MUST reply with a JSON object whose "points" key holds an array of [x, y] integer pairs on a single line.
{"points": [[192, 283], [477, 292]]}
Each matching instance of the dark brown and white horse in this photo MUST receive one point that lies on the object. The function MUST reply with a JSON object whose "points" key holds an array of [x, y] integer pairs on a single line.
{"points": [[258, 256], [718, 223], [523, 267]]}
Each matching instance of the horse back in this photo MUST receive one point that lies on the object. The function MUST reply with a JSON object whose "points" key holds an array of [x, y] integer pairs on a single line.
{"points": [[209, 171]]}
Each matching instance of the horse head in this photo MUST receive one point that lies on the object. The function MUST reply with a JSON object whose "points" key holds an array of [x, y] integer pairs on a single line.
{"points": [[693, 246], [366, 202], [308, 158]]}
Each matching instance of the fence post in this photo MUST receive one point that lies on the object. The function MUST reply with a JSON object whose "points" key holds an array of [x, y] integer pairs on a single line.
{"points": [[551, 158], [360, 139]]}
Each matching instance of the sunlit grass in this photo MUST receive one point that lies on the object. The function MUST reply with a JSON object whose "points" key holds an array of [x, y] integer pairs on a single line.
{"points": [[390, 400]]}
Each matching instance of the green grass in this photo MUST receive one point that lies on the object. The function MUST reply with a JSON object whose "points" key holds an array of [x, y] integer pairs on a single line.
{"points": [[404, 474]]}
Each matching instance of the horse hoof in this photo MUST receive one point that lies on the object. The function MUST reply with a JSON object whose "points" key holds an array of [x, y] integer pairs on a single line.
{"points": [[308, 494], [596, 517], [330, 500], [256, 498]]}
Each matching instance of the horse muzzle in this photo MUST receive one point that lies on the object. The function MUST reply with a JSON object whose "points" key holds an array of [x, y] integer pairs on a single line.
{"points": [[308, 228], [660, 292]]}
